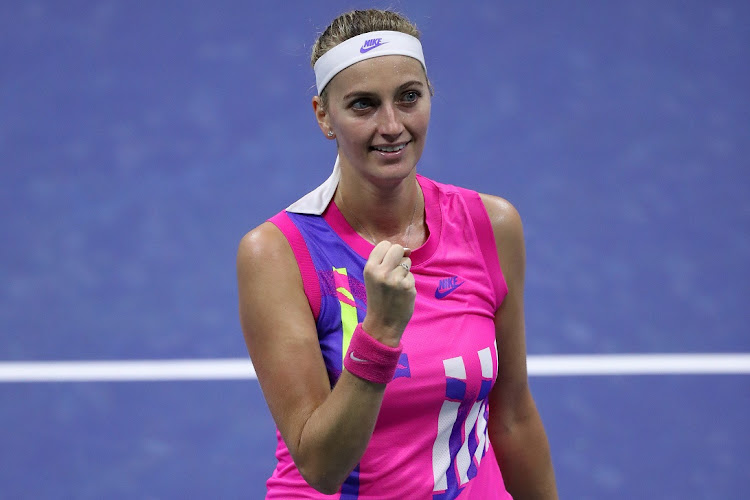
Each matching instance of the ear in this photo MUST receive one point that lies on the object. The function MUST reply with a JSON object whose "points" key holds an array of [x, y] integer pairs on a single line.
{"points": [[321, 114]]}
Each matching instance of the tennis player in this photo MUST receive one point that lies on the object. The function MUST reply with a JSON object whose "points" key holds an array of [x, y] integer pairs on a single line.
{"points": [[383, 311]]}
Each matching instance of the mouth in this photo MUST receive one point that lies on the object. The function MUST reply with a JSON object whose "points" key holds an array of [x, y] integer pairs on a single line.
{"points": [[389, 149]]}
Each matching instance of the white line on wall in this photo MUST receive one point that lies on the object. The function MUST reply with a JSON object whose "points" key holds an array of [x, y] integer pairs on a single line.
{"points": [[241, 368], [640, 364]]}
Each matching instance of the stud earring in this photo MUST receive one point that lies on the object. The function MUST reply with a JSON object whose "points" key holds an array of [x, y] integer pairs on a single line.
{"points": [[330, 133]]}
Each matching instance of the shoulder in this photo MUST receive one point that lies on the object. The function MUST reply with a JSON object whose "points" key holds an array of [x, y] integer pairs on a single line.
{"points": [[264, 241], [505, 219], [269, 279], [508, 230], [265, 252]]}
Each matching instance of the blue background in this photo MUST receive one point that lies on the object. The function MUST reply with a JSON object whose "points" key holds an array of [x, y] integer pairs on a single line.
{"points": [[140, 140]]}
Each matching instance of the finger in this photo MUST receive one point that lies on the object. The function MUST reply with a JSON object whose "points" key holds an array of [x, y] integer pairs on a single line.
{"points": [[409, 282], [405, 264], [379, 252], [402, 268], [393, 256]]}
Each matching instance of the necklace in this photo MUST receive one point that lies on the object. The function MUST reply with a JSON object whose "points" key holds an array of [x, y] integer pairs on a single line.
{"points": [[370, 237]]}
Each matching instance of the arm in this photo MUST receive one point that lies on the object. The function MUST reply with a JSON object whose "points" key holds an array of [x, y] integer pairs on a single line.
{"points": [[325, 430], [515, 427]]}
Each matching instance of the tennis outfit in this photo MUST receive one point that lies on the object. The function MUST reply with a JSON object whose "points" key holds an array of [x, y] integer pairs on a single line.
{"points": [[430, 440]]}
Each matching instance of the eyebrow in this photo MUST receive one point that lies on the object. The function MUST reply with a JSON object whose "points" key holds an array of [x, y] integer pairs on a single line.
{"points": [[365, 93]]}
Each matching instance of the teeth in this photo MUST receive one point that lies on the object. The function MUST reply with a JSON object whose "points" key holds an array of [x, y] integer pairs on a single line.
{"points": [[388, 149]]}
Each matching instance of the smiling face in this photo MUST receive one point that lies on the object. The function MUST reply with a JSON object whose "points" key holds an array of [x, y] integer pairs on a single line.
{"points": [[379, 111]]}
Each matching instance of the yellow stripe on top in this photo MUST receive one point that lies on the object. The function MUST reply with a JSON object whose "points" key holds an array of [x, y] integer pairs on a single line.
{"points": [[348, 307]]}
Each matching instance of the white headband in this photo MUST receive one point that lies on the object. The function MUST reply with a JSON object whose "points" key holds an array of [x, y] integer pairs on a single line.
{"points": [[365, 46]]}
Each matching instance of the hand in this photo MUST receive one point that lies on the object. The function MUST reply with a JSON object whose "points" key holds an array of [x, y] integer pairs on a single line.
{"points": [[391, 292]]}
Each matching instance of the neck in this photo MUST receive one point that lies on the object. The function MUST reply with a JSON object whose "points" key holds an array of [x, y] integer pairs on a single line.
{"points": [[395, 215]]}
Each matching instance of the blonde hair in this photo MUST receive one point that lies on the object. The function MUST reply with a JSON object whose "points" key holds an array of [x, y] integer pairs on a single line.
{"points": [[356, 22]]}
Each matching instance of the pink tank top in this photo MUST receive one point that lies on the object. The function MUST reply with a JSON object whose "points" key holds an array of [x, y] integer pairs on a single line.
{"points": [[430, 440]]}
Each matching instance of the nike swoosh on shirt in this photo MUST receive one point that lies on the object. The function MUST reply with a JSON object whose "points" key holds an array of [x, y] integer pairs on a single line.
{"points": [[441, 293]]}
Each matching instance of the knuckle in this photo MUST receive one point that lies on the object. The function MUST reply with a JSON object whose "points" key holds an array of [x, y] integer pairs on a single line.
{"points": [[385, 245], [382, 276], [368, 273]]}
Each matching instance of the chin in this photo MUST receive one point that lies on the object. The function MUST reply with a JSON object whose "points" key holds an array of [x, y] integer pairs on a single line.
{"points": [[394, 171]]}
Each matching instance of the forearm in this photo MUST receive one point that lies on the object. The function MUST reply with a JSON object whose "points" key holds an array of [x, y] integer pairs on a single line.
{"points": [[336, 434], [523, 453]]}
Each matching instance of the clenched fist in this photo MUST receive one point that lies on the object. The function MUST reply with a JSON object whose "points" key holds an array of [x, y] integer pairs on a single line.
{"points": [[391, 292]]}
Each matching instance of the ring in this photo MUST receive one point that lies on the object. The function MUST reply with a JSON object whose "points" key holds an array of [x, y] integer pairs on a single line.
{"points": [[403, 264]]}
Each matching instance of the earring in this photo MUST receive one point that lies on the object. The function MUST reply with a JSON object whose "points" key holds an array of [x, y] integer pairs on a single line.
{"points": [[330, 133]]}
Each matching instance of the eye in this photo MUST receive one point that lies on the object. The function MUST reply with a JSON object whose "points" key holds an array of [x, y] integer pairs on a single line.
{"points": [[410, 96], [361, 104]]}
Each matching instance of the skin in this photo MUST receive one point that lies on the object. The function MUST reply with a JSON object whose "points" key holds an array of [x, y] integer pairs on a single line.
{"points": [[379, 102]]}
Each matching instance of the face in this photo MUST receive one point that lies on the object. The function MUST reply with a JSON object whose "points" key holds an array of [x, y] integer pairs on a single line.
{"points": [[379, 111]]}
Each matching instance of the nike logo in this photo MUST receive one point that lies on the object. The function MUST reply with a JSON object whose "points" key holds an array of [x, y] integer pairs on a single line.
{"points": [[371, 44], [446, 286], [355, 358]]}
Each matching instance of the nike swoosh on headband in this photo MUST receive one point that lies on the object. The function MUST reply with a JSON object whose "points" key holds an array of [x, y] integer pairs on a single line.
{"points": [[373, 43]]}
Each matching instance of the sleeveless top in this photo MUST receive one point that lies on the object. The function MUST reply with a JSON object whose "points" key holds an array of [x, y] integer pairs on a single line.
{"points": [[430, 440]]}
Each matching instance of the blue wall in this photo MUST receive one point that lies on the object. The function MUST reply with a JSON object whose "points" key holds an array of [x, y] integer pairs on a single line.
{"points": [[140, 140]]}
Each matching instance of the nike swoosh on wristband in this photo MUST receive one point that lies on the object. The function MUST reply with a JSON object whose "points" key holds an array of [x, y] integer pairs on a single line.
{"points": [[447, 286], [355, 358], [371, 44]]}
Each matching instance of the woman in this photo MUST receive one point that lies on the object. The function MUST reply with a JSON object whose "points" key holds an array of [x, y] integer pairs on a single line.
{"points": [[383, 311]]}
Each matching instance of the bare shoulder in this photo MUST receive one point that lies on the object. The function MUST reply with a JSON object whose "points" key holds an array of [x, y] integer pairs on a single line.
{"points": [[264, 243], [268, 281], [505, 219], [508, 230]]}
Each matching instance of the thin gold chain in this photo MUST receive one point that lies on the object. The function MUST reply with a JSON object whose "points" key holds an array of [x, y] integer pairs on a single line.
{"points": [[371, 238]]}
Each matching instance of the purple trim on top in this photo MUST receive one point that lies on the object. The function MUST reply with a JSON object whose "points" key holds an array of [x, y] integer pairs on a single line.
{"points": [[304, 261], [350, 488]]}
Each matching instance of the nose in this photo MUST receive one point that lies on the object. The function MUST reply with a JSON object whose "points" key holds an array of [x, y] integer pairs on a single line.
{"points": [[390, 125]]}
